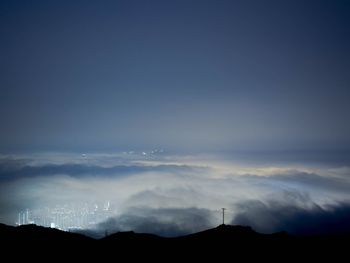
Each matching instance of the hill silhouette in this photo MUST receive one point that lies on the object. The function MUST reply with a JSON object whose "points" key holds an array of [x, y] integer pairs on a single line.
{"points": [[224, 241]]}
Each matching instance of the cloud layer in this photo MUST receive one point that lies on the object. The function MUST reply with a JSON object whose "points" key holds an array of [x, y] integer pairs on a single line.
{"points": [[174, 195], [275, 216], [161, 221]]}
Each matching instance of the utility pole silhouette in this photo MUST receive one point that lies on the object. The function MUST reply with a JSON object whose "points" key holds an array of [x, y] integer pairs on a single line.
{"points": [[223, 215]]}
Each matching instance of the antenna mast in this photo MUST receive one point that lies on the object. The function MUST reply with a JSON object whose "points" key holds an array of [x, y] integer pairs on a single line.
{"points": [[223, 215]]}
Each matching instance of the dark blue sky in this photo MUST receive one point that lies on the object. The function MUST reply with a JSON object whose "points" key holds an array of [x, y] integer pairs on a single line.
{"points": [[184, 75]]}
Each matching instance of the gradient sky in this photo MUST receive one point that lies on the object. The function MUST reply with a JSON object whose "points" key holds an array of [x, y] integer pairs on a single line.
{"points": [[183, 75]]}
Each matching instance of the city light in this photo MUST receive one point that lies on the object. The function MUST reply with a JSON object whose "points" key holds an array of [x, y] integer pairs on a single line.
{"points": [[67, 216]]}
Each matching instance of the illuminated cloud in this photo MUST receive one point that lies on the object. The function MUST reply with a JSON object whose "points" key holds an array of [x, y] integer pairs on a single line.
{"points": [[189, 183]]}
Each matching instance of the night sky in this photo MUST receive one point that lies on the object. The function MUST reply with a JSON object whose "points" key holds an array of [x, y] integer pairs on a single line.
{"points": [[183, 74], [242, 103]]}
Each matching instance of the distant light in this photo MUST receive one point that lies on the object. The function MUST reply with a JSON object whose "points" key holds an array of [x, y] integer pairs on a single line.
{"points": [[52, 225]]}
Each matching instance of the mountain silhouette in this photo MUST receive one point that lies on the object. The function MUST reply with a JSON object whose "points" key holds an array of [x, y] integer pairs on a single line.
{"points": [[224, 241]]}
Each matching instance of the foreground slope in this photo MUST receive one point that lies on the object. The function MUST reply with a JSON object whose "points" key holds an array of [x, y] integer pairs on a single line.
{"points": [[224, 241]]}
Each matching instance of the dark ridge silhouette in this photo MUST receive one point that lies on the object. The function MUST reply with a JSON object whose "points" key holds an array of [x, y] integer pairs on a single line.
{"points": [[224, 231], [31, 241], [34, 233], [131, 236]]}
